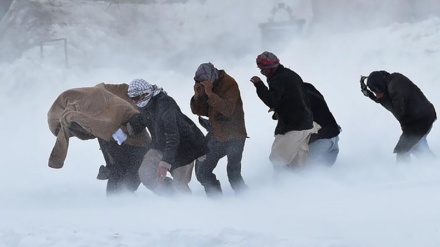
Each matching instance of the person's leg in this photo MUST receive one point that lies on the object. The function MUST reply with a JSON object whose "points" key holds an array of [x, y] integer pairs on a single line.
{"points": [[104, 170], [133, 156], [182, 177], [421, 149], [323, 151], [234, 152], [113, 170], [333, 152], [279, 156], [301, 140], [301, 155], [403, 158], [317, 151], [291, 149], [205, 167], [148, 169], [126, 160], [281, 151]]}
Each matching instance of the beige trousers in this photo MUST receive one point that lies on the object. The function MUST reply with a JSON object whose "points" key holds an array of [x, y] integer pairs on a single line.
{"points": [[148, 175], [291, 149]]}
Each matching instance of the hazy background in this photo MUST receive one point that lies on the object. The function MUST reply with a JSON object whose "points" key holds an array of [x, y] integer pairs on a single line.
{"points": [[365, 199]]}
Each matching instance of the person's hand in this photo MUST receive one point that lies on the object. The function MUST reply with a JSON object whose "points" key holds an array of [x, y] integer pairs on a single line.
{"points": [[255, 79], [162, 170], [124, 129], [364, 88], [208, 86], [365, 91], [161, 173], [275, 114], [363, 78], [198, 90]]}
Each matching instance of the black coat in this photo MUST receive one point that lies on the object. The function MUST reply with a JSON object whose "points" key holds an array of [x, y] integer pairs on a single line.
{"points": [[410, 107], [288, 98], [172, 132], [321, 115]]}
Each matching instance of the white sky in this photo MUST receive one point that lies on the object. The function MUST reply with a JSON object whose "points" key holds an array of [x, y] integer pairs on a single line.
{"points": [[364, 200]]}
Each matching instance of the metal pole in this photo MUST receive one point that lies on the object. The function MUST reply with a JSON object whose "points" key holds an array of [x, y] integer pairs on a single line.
{"points": [[65, 53], [41, 50]]}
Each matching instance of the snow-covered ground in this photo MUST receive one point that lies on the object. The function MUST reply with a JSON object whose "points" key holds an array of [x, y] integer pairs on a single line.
{"points": [[364, 200]]}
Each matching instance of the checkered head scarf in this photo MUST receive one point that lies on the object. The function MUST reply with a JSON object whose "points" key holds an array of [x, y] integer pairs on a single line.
{"points": [[139, 87], [205, 72]]}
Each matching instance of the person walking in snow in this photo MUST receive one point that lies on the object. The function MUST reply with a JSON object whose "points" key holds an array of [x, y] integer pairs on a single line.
{"points": [[323, 146], [217, 96], [97, 112], [287, 97], [416, 115], [176, 140]]}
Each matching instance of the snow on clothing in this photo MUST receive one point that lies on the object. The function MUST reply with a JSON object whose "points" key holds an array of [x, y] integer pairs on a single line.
{"points": [[409, 106], [226, 126], [74, 114], [173, 134], [287, 96]]}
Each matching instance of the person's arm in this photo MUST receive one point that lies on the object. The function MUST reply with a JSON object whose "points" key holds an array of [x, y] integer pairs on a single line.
{"points": [[135, 125], [171, 136], [227, 103], [270, 96], [198, 102], [398, 95], [365, 91]]}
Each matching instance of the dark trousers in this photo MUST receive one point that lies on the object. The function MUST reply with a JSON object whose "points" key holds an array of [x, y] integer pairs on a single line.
{"points": [[233, 150], [122, 162]]}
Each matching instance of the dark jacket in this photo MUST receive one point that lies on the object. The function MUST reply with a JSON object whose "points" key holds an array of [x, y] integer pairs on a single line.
{"points": [[321, 115], [288, 98], [172, 132], [410, 107], [224, 109]]}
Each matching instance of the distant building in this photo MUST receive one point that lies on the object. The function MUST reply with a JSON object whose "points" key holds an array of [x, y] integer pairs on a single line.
{"points": [[281, 27]]}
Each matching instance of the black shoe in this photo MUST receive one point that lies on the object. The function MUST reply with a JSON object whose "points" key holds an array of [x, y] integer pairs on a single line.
{"points": [[104, 173]]}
